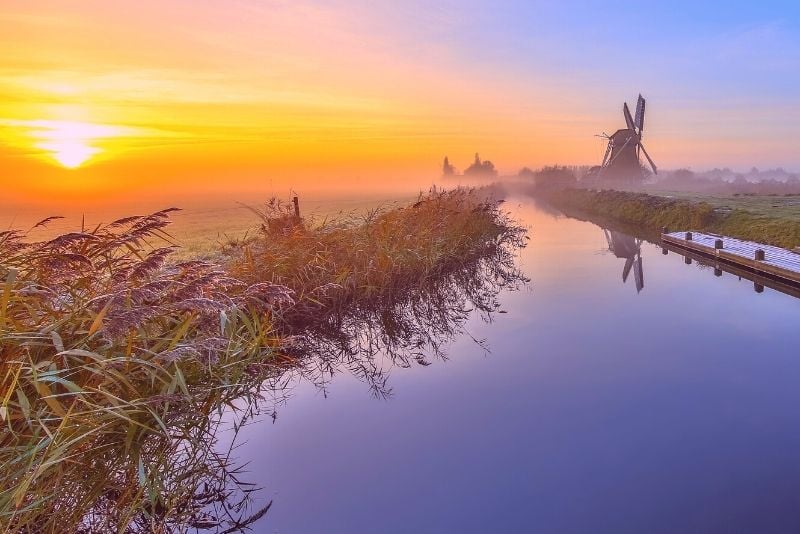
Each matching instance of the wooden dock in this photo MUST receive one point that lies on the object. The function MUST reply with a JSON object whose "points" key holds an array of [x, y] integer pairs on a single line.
{"points": [[765, 261]]}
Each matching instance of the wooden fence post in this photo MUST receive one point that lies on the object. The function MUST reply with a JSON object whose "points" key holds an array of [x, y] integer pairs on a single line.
{"points": [[296, 203]]}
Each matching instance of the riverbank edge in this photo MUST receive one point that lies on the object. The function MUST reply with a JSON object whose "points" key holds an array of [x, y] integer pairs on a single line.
{"points": [[647, 215]]}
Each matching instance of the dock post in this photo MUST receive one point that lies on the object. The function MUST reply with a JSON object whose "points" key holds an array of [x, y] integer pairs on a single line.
{"points": [[717, 271], [718, 244], [664, 251], [758, 287], [759, 255], [688, 236], [687, 260], [296, 203]]}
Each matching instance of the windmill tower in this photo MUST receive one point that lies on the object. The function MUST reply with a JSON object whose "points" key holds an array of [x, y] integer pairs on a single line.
{"points": [[621, 160]]}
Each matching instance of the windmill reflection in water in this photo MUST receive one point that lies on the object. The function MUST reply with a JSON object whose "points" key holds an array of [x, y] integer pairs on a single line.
{"points": [[630, 248]]}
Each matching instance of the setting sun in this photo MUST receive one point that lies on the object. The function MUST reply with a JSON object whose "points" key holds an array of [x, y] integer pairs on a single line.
{"points": [[71, 144], [70, 153]]}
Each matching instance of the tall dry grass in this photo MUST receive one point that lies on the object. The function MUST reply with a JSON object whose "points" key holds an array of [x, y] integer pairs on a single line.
{"points": [[116, 363], [332, 264], [111, 360]]}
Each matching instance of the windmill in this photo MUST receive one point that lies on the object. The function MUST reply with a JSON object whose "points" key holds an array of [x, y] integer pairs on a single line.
{"points": [[629, 248], [624, 148]]}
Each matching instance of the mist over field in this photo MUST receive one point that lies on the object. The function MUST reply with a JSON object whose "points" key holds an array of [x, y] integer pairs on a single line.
{"points": [[209, 217]]}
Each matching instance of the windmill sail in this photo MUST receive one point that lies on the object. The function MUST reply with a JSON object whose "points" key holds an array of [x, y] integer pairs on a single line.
{"points": [[640, 114], [627, 269], [628, 118], [638, 274], [649, 159]]}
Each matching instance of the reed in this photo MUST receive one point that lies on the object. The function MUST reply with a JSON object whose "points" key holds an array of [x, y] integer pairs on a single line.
{"points": [[117, 363], [332, 264], [111, 357]]}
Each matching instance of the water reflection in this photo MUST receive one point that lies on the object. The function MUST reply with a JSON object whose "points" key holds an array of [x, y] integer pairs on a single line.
{"points": [[206, 486], [629, 248], [198, 487], [760, 280], [369, 340], [574, 425]]}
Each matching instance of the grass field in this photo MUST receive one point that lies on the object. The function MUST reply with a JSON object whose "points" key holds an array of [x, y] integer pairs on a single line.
{"points": [[782, 207], [765, 219], [200, 228]]}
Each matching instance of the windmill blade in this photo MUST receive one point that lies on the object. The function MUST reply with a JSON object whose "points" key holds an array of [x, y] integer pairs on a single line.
{"points": [[628, 118], [638, 274], [649, 159], [608, 151], [627, 269], [640, 114]]}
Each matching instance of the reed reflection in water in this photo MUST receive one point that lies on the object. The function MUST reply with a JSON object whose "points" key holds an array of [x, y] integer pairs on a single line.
{"points": [[366, 339]]}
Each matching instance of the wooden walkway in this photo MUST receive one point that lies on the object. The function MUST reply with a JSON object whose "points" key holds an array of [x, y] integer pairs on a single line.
{"points": [[765, 260]]}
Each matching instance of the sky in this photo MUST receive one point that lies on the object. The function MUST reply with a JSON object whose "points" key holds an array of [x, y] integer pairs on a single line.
{"points": [[106, 100]]}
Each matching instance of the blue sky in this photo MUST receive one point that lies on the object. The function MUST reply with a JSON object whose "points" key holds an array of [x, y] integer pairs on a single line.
{"points": [[722, 74]]}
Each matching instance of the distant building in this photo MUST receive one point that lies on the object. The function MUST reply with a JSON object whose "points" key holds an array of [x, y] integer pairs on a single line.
{"points": [[480, 168]]}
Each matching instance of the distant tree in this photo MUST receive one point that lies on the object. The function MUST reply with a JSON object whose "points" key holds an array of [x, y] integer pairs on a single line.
{"points": [[526, 172], [555, 177], [447, 169], [479, 168]]}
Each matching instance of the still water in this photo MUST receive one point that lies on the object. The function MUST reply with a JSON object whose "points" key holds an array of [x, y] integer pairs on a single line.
{"points": [[590, 407]]}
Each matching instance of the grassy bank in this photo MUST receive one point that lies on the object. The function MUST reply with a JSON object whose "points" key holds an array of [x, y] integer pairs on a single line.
{"points": [[116, 361], [650, 213]]}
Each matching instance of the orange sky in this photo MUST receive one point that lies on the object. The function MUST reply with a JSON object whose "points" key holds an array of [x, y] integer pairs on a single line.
{"points": [[175, 95], [102, 100]]}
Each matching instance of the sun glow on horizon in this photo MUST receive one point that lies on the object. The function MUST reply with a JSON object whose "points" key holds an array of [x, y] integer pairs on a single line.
{"points": [[70, 144], [70, 153]]}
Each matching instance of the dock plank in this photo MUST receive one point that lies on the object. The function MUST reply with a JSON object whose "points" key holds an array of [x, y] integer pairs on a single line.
{"points": [[778, 262], [759, 281]]}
